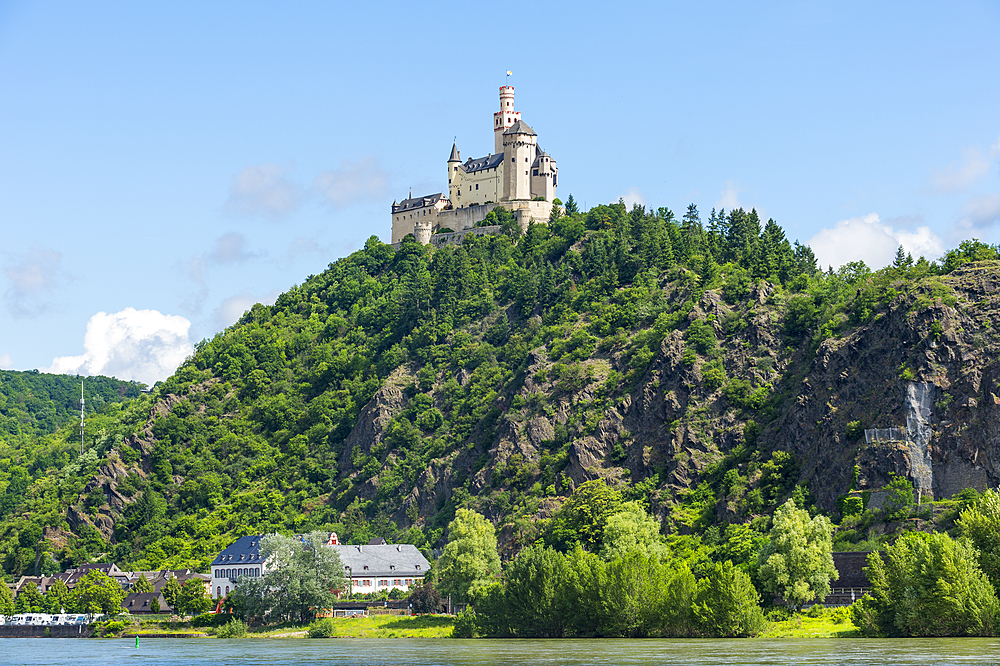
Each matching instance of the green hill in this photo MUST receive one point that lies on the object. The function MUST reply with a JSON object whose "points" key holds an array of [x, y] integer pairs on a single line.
{"points": [[711, 370]]}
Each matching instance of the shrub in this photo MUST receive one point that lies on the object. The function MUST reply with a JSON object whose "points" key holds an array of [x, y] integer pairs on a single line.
{"points": [[465, 624], [233, 629], [210, 619], [322, 628]]}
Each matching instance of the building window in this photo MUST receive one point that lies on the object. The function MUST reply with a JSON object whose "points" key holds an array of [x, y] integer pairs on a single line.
{"points": [[512, 159], [534, 172], [409, 581], [227, 590], [218, 592], [396, 581], [384, 583], [477, 186]]}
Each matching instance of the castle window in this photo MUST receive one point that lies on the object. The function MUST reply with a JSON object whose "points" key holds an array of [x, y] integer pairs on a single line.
{"points": [[535, 172], [477, 186], [525, 159], [512, 159]]}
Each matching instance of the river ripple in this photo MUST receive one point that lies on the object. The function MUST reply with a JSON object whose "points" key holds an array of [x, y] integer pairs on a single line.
{"points": [[446, 652]]}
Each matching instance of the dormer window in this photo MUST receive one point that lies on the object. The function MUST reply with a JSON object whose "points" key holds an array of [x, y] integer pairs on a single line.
{"points": [[418, 566], [366, 567]]}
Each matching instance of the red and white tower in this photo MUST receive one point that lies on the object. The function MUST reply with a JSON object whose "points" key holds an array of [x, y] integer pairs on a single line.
{"points": [[503, 119]]}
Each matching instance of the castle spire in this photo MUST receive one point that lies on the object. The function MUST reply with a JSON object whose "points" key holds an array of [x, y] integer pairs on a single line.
{"points": [[455, 157]]}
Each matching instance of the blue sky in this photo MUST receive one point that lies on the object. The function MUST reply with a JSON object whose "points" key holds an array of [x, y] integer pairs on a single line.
{"points": [[163, 166]]}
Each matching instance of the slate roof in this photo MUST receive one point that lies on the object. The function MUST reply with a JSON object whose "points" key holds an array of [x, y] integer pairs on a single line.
{"points": [[245, 549], [479, 163], [455, 157], [141, 602], [520, 127], [418, 202], [389, 560]]}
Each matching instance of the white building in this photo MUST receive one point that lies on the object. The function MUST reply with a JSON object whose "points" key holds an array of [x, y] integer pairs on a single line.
{"points": [[517, 175], [373, 567], [240, 560], [381, 566]]}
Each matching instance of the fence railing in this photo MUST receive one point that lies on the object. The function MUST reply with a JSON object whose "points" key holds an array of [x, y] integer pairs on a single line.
{"points": [[885, 435]]}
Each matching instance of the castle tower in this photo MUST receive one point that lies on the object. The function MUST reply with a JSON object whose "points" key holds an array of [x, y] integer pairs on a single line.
{"points": [[453, 162], [422, 231], [506, 117], [519, 148]]}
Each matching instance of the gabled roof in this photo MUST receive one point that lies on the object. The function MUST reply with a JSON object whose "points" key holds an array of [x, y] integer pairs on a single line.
{"points": [[141, 602], [389, 560], [243, 551], [418, 202], [478, 164], [520, 127]]}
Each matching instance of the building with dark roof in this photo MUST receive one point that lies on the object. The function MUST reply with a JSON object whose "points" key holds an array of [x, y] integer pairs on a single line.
{"points": [[240, 560], [517, 175], [138, 603], [385, 566]]}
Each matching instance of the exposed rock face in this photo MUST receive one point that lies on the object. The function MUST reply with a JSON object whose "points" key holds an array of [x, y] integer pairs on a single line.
{"points": [[926, 363]]}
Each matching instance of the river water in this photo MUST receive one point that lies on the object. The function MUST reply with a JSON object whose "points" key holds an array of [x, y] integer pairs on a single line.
{"points": [[448, 652]]}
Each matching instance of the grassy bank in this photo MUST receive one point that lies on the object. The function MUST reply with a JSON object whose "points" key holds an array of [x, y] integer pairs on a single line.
{"points": [[393, 626], [829, 623]]}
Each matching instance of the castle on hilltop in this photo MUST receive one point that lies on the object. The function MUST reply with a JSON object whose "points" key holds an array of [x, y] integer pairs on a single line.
{"points": [[518, 176]]}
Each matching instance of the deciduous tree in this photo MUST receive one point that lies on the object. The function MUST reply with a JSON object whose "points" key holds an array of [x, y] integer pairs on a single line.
{"points": [[726, 604], [980, 523], [797, 562], [927, 585], [96, 592], [470, 559]]}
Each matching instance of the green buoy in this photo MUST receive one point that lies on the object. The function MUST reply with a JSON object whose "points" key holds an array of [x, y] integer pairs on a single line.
{"points": [[137, 641]]}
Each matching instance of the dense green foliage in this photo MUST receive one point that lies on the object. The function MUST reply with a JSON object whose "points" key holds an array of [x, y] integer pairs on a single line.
{"points": [[643, 590], [34, 404], [980, 523], [303, 572], [250, 435], [797, 563], [927, 585], [470, 560]]}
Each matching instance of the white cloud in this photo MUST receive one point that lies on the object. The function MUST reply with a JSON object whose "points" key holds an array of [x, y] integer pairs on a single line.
{"points": [[729, 198], [634, 196], [980, 213], [141, 345], [353, 182], [230, 248], [868, 239], [959, 176], [262, 190], [232, 308], [32, 276], [6, 363]]}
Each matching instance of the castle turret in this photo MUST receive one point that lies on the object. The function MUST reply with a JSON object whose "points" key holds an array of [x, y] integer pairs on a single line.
{"points": [[453, 166], [422, 231], [506, 117], [519, 148]]}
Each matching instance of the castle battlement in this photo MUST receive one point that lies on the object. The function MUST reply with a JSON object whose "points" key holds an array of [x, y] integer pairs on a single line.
{"points": [[519, 176]]}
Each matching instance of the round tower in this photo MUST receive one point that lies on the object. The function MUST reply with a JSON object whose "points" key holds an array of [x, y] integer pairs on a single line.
{"points": [[422, 231], [504, 118]]}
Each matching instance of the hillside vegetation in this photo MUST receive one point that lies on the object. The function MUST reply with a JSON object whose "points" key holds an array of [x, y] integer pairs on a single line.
{"points": [[709, 370]]}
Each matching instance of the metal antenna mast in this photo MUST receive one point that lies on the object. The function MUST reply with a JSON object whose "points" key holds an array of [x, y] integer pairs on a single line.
{"points": [[81, 416]]}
